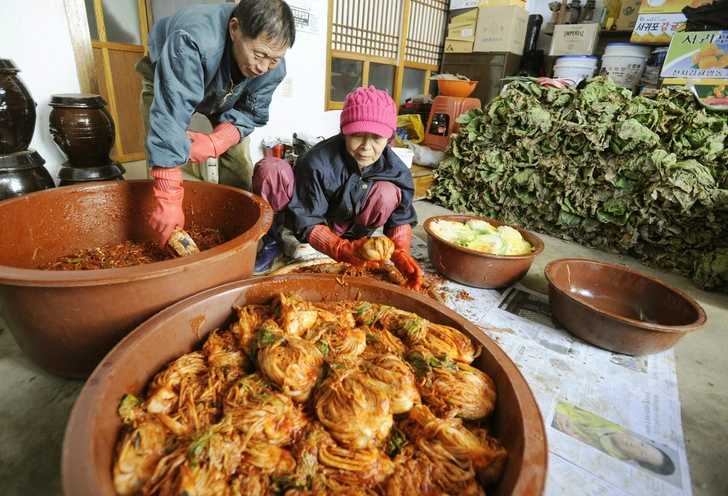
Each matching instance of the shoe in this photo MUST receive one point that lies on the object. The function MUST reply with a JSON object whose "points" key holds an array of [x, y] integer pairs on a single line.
{"points": [[267, 256]]}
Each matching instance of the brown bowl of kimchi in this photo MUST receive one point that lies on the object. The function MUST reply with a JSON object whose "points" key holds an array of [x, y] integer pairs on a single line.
{"points": [[184, 330], [67, 321]]}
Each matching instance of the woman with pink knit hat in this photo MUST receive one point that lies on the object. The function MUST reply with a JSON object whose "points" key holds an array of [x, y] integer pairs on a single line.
{"points": [[343, 189]]}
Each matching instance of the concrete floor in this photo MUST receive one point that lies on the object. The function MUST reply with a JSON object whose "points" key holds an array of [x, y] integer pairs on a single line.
{"points": [[35, 405]]}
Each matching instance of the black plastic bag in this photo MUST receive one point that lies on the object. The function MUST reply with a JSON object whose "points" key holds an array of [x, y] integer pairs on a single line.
{"points": [[711, 17]]}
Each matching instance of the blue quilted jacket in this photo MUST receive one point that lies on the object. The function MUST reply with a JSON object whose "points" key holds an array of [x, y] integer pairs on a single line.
{"points": [[191, 57]]}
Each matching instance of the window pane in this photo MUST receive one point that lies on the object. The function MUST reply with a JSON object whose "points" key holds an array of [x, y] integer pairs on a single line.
{"points": [[382, 77], [92, 27], [413, 83], [345, 78], [121, 19]]}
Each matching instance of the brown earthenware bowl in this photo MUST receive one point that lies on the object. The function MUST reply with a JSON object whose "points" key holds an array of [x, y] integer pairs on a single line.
{"points": [[619, 309], [475, 268], [66, 321], [94, 424]]}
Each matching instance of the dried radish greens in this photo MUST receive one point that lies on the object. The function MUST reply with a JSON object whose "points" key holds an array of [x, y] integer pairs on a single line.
{"points": [[644, 177]]}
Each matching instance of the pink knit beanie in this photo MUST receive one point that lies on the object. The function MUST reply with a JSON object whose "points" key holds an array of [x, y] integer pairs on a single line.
{"points": [[369, 111]]}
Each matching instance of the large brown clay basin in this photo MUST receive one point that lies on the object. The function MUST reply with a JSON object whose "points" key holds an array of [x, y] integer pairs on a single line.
{"points": [[94, 425], [619, 309], [67, 321]]}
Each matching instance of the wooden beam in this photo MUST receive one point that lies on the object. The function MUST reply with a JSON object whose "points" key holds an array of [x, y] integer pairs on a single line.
{"points": [[327, 84], [144, 26], [399, 71], [81, 41]]}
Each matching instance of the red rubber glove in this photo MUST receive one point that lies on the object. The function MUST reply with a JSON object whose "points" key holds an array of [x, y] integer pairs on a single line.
{"points": [[169, 194], [212, 145], [322, 239], [401, 258]]}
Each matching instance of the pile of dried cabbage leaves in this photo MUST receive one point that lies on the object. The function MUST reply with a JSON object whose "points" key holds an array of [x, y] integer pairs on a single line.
{"points": [[302, 398], [640, 176]]}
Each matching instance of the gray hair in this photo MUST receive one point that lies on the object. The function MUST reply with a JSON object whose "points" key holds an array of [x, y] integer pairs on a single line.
{"points": [[271, 18]]}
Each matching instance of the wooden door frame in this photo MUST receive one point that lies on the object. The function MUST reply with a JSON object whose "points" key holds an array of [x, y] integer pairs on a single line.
{"points": [[81, 40], [83, 53]]}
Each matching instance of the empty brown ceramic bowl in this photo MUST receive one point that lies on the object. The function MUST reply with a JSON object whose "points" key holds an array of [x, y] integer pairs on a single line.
{"points": [[94, 424], [619, 309], [475, 268], [66, 321]]}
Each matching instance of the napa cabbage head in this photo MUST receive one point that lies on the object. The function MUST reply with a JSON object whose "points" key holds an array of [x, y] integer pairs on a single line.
{"points": [[481, 226], [516, 244], [479, 235], [453, 232], [489, 243]]}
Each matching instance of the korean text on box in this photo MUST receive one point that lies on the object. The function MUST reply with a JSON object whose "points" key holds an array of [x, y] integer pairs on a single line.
{"points": [[700, 54], [656, 28]]}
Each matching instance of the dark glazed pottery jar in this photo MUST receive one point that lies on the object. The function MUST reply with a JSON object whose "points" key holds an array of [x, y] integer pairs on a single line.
{"points": [[23, 172], [82, 128], [69, 175], [17, 110]]}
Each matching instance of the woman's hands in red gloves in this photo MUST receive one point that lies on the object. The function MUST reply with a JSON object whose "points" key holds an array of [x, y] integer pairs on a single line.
{"points": [[345, 251], [169, 193], [324, 240], [212, 145], [401, 258]]}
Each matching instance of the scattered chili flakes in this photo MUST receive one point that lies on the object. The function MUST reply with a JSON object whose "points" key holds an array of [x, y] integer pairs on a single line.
{"points": [[130, 253], [464, 295]]}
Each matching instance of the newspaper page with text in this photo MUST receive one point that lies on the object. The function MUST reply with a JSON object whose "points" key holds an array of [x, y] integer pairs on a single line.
{"points": [[612, 421]]}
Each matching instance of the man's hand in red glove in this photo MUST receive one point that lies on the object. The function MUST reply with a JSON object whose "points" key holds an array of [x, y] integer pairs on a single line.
{"points": [[401, 258], [324, 240], [212, 145], [169, 194]]}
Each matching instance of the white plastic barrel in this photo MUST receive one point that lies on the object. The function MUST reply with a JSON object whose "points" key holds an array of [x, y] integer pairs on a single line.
{"points": [[575, 67], [625, 63]]}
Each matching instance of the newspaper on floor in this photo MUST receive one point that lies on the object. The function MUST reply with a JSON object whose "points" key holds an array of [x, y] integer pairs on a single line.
{"points": [[612, 421]]}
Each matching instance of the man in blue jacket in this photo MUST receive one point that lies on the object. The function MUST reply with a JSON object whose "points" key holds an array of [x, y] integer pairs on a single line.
{"points": [[223, 61]]}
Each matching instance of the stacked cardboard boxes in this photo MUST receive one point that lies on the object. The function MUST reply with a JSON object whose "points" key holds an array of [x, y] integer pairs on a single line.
{"points": [[461, 32], [494, 26], [468, 4]]}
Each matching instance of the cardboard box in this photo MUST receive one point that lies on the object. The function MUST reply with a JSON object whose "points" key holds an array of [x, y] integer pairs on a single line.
{"points": [[469, 17], [458, 46], [710, 91], [656, 28], [501, 29], [698, 55], [462, 4], [501, 3], [628, 15], [462, 32], [670, 6], [574, 39]]}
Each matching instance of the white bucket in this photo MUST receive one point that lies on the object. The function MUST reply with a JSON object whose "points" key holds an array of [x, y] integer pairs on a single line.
{"points": [[625, 63], [575, 67], [405, 155]]}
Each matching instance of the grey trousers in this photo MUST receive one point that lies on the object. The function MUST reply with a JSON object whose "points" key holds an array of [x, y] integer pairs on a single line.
{"points": [[235, 165]]}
